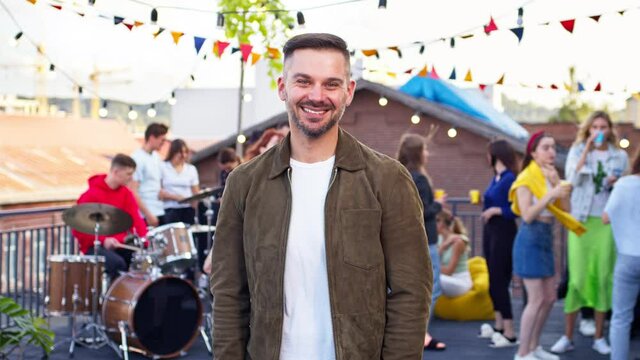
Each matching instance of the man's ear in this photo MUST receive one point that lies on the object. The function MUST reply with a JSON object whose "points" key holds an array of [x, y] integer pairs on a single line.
{"points": [[282, 93]]}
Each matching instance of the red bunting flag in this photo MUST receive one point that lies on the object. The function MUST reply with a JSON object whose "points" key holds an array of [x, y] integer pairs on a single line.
{"points": [[598, 87], [218, 47], [129, 26], [433, 74], [482, 86], [246, 51], [58, 7], [554, 86], [568, 25], [490, 27]]}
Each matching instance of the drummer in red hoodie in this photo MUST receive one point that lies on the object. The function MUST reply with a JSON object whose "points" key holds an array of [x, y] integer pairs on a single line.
{"points": [[110, 189]]}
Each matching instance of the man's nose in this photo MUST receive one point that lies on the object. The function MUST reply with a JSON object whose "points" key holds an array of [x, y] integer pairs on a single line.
{"points": [[316, 93]]}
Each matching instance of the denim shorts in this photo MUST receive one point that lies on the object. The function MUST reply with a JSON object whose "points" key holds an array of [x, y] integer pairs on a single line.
{"points": [[533, 251]]}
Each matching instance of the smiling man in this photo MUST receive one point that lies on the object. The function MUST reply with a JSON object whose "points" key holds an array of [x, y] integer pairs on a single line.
{"points": [[320, 248]]}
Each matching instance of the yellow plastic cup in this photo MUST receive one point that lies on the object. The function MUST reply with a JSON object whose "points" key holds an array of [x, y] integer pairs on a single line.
{"points": [[474, 196], [439, 194]]}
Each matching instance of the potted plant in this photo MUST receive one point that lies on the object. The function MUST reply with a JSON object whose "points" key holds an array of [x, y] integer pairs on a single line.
{"points": [[24, 328]]}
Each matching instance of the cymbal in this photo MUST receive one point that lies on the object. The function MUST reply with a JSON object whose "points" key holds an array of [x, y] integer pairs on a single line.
{"points": [[205, 193], [83, 218]]}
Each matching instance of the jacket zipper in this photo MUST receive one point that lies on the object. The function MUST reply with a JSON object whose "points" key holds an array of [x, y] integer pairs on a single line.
{"points": [[330, 281], [283, 249]]}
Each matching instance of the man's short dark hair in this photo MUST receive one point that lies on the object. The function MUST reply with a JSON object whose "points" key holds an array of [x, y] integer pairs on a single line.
{"points": [[123, 161], [316, 41], [155, 130], [227, 155]]}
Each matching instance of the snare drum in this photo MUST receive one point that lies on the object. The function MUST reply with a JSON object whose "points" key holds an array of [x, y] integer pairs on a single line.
{"points": [[162, 314], [71, 282], [174, 245], [199, 234]]}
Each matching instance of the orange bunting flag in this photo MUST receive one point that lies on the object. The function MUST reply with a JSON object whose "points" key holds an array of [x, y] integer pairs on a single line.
{"points": [[254, 58], [158, 32], [568, 25], [396, 49], [273, 53], [218, 47], [598, 87], [32, 1], [490, 27], [245, 49], [370, 53], [433, 74], [423, 72], [176, 36], [138, 23], [468, 77], [482, 86], [501, 80]]}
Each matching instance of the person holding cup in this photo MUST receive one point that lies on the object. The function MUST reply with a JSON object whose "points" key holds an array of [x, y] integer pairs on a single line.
{"points": [[414, 155], [538, 196], [593, 166]]}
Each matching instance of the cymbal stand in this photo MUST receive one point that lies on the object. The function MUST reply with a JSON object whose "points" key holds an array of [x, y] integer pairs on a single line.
{"points": [[206, 327]]}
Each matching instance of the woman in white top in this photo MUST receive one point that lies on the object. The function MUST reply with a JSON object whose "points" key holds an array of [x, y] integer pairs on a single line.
{"points": [[179, 181]]}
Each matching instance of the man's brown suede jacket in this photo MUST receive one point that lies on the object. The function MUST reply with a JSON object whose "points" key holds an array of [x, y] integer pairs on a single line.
{"points": [[378, 264]]}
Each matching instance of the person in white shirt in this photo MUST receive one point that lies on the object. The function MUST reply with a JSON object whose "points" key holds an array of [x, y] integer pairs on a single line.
{"points": [[179, 180], [146, 180]]}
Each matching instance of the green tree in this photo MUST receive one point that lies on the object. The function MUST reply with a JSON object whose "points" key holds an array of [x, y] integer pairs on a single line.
{"points": [[572, 109], [248, 21]]}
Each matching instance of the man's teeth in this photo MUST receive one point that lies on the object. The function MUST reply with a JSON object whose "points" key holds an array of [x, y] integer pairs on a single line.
{"points": [[313, 112]]}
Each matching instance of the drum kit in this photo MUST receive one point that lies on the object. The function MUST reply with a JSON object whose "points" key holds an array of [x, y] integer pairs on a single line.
{"points": [[151, 309]]}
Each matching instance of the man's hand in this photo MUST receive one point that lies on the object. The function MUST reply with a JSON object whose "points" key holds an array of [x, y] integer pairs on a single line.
{"points": [[152, 220], [110, 243]]}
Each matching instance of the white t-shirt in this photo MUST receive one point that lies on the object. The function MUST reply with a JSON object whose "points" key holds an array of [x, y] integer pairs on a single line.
{"points": [[307, 331], [178, 183], [623, 209], [148, 177], [600, 199]]}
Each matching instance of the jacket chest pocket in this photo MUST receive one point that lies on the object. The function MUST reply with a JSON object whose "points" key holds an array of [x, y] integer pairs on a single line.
{"points": [[361, 238]]}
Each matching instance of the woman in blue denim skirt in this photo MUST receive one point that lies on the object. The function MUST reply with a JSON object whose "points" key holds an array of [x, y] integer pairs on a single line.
{"points": [[536, 193]]}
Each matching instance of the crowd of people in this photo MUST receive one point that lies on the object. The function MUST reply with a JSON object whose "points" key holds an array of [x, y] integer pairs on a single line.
{"points": [[326, 249]]}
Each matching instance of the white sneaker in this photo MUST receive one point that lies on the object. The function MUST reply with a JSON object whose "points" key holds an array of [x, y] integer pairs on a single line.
{"points": [[498, 340], [486, 331], [601, 346], [543, 354], [529, 356], [587, 327], [562, 345]]}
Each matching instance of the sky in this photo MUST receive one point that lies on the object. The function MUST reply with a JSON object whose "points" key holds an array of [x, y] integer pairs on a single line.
{"points": [[134, 67]]}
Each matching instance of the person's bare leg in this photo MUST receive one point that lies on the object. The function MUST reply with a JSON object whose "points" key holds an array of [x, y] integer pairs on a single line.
{"points": [[509, 331], [548, 294], [529, 314], [570, 324], [599, 316], [427, 340]]}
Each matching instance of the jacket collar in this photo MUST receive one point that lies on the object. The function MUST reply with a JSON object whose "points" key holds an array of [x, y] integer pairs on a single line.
{"points": [[348, 154]]}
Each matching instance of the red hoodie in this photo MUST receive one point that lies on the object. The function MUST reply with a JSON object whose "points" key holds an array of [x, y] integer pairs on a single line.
{"points": [[122, 198]]}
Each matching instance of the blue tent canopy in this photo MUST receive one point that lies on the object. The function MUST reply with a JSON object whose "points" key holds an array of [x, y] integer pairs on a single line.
{"points": [[468, 102]]}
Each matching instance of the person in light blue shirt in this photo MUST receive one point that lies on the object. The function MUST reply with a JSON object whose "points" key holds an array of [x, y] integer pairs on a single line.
{"points": [[623, 211]]}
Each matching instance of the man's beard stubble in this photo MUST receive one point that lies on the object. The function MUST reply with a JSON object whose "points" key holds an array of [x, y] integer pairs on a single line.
{"points": [[315, 133]]}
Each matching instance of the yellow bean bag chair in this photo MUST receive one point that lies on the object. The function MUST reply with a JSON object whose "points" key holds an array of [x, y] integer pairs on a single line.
{"points": [[474, 305]]}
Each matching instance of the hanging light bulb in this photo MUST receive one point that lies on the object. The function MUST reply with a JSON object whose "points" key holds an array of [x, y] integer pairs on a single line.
{"points": [[220, 21], [52, 67], [91, 2], [520, 14], [241, 139], [172, 100], [133, 115], [382, 4], [151, 112], [103, 112], [415, 119], [624, 143], [452, 133], [14, 42], [247, 97], [300, 17], [383, 101], [154, 16]]}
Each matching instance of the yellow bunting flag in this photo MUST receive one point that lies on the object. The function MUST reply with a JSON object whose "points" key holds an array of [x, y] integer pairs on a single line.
{"points": [[273, 53], [254, 58], [501, 80], [636, 96], [391, 74], [567, 87], [468, 77], [176, 36], [423, 72]]}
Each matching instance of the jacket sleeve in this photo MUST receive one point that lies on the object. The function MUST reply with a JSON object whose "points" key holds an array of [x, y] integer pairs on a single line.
{"points": [[85, 241], [408, 269], [431, 207], [576, 178], [228, 280]]}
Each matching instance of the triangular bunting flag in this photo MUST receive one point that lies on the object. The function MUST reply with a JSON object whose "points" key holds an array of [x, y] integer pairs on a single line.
{"points": [[423, 72], [138, 23], [453, 74], [539, 86], [234, 50], [32, 1], [596, 18], [408, 71], [176, 35], [117, 20], [273, 53], [433, 74], [567, 87], [519, 31], [218, 47], [396, 49], [254, 58], [490, 27], [158, 32], [197, 42], [482, 86], [554, 86], [80, 14], [391, 74], [245, 49], [468, 77], [129, 26], [501, 80], [468, 36], [568, 25], [370, 53], [58, 7], [580, 86], [598, 87], [621, 12]]}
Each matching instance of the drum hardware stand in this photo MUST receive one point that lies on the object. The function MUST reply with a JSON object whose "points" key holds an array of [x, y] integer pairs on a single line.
{"points": [[203, 332], [122, 326]]}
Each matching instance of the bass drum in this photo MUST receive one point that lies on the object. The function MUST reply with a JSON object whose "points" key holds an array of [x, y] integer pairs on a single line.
{"points": [[162, 314]]}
